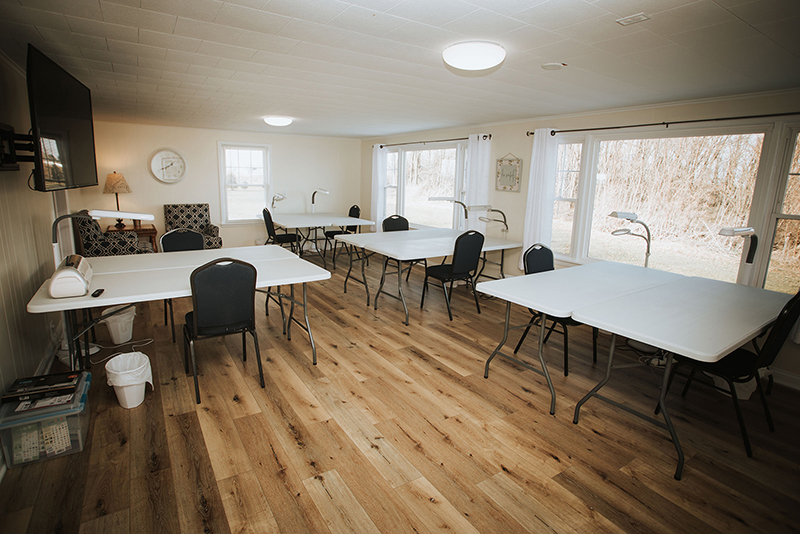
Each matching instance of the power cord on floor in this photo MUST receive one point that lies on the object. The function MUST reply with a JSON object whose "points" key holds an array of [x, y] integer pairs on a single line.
{"points": [[134, 345]]}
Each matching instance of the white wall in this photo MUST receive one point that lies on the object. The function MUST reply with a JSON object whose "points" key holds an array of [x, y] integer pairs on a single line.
{"points": [[299, 164], [512, 138]]}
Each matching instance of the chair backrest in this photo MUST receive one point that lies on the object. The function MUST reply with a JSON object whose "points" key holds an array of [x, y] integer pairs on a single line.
{"points": [[182, 239], [467, 252], [88, 228], [192, 216], [395, 223], [223, 294], [538, 259], [268, 223], [781, 328], [354, 212]]}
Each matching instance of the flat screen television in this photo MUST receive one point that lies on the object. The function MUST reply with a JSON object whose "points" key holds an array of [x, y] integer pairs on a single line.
{"points": [[61, 122]]}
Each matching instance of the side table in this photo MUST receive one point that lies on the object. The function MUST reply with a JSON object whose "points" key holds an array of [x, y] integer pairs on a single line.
{"points": [[144, 230]]}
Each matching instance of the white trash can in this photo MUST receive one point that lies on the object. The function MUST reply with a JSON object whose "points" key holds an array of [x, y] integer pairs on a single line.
{"points": [[129, 373], [120, 326]]}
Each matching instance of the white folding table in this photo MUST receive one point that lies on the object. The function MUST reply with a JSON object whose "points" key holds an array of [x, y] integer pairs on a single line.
{"points": [[312, 222], [146, 277], [404, 246]]}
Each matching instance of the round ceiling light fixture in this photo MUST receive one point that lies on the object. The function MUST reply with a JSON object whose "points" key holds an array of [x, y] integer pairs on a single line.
{"points": [[278, 121], [474, 55]]}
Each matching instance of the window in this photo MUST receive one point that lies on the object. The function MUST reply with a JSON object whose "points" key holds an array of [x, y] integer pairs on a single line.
{"points": [[415, 174], [782, 271], [684, 188], [244, 181]]}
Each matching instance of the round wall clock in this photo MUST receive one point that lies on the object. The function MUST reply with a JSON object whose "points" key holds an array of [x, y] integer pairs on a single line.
{"points": [[167, 165]]}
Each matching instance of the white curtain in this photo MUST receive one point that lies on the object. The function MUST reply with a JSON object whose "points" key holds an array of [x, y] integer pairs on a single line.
{"points": [[541, 191], [479, 176], [378, 202]]}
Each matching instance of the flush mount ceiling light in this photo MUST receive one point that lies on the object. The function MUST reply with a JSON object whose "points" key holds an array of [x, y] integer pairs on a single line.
{"points": [[633, 19], [553, 66], [278, 121], [474, 55]]}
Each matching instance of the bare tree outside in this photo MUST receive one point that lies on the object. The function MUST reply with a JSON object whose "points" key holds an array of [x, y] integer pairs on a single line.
{"points": [[430, 173], [783, 273]]}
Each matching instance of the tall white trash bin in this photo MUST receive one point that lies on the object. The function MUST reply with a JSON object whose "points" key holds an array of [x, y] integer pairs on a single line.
{"points": [[120, 326], [129, 373]]}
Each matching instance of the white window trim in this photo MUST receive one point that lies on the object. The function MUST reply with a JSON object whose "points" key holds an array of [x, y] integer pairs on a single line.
{"points": [[223, 197], [766, 191]]}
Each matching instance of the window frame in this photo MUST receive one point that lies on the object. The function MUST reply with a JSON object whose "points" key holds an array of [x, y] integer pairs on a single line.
{"points": [[221, 147], [461, 176]]}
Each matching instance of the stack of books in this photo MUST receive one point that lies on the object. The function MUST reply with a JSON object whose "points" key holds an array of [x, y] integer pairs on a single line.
{"points": [[42, 387]]}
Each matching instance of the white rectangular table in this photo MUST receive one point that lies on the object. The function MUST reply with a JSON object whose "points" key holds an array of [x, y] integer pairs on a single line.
{"points": [[697, 318], [314, 221], [146, 277], [404, 246]]}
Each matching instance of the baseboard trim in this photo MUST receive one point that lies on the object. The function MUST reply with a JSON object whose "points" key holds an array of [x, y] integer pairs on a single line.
{"points": [[784, 378]]}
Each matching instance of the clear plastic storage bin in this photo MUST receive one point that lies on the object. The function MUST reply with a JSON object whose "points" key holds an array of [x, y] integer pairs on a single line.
{"points": [[43, 433]]}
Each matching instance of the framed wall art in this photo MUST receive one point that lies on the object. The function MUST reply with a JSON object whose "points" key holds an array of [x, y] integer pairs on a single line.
{"points": [[508, 169]]}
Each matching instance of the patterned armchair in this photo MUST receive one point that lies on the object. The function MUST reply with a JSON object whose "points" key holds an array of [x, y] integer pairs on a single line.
{"points": [[91, 241], [194, 217]]}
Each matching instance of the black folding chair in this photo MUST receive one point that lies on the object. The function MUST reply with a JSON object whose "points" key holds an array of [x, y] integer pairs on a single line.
{"points": [[537, 259], [176, 241], [742, 365], [466, 255], [330, 235], [273, 238], [398, 223], [223, 301]]}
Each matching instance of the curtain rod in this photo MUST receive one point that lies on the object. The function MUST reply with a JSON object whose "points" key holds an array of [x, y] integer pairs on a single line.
{"points": [[485, 137], [667, 124]]}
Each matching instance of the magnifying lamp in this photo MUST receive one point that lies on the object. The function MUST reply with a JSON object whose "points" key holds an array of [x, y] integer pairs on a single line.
{"points": [[448, 199], [277, 198], [746, 231], [632, 217], [314, 197], [489, 209]]}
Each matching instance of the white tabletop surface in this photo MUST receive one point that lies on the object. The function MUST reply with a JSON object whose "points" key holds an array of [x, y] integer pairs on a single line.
{"points": [[414, 244], [171, 279], [698, 318], [315, 220], [560, 292]]}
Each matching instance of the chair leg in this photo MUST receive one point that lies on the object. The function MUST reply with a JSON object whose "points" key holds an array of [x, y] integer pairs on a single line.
{"points": [[767, 414], [166, 322], [194, 370], [672, 374], [447, 300], [424, 288], [689, 382], [525, 333], [475, 294], [566, 349], [408, 273], [172, 319], [258, 357], [244, 346], [594, 344], [740, 417], [185, 353]]}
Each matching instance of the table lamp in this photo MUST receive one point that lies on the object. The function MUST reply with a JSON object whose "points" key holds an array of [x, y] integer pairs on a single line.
{"points": [[448, 199], [115, 183], [746, 231], [632, 217], [314, 197]]}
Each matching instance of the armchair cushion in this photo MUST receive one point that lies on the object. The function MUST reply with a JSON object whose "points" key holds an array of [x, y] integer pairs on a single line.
{"points": [[93, 242], [194, 217]]}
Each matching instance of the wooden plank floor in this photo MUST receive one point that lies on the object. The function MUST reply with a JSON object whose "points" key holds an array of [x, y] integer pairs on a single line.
{"points": [[396, 430]]}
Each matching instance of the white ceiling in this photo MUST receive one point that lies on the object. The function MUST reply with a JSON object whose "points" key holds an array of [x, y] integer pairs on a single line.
{"points": [[365, 68]]}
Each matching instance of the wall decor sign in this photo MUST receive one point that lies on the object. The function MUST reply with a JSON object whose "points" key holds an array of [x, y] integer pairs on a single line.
{"points": [[508, 169]]}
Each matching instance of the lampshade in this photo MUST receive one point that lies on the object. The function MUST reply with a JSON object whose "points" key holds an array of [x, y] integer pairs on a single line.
{"points": [[474, 55], [115, 183]]}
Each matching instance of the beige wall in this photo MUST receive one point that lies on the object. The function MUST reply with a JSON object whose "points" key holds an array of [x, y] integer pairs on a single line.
{"points": [[299, 164], [26, 217], [512, 138]]}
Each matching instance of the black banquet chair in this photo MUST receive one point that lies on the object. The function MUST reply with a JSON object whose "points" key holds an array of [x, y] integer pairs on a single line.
{"points": [[742, 365], [273, 238], [464, 266], [398, 223], [330, 235], [223, 302], [175, 241], [538, 259]]}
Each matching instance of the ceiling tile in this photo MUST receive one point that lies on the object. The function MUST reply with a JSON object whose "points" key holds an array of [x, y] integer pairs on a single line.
{"points": [[241, 66], [701, 14], [166, 66], [184, 78], [643, 40], [205, 10], [138, 18], [436, 13], [507, 7], [556, 14], [206, 31], [599, 29], [528, 37], [311, 32], [166, 40], [137, 71], [626, 8], [764, 11], [483, 24], [84, 41], [264, 42], [320, 11], [192, 59], [228, 51], [366, 21], [365, 44], [784, 33], [110, 57], [69, 62], [251, 19], [417, 34], [103, 29], [88, 9], [136, 49], [35, 17], [220, 74]]}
